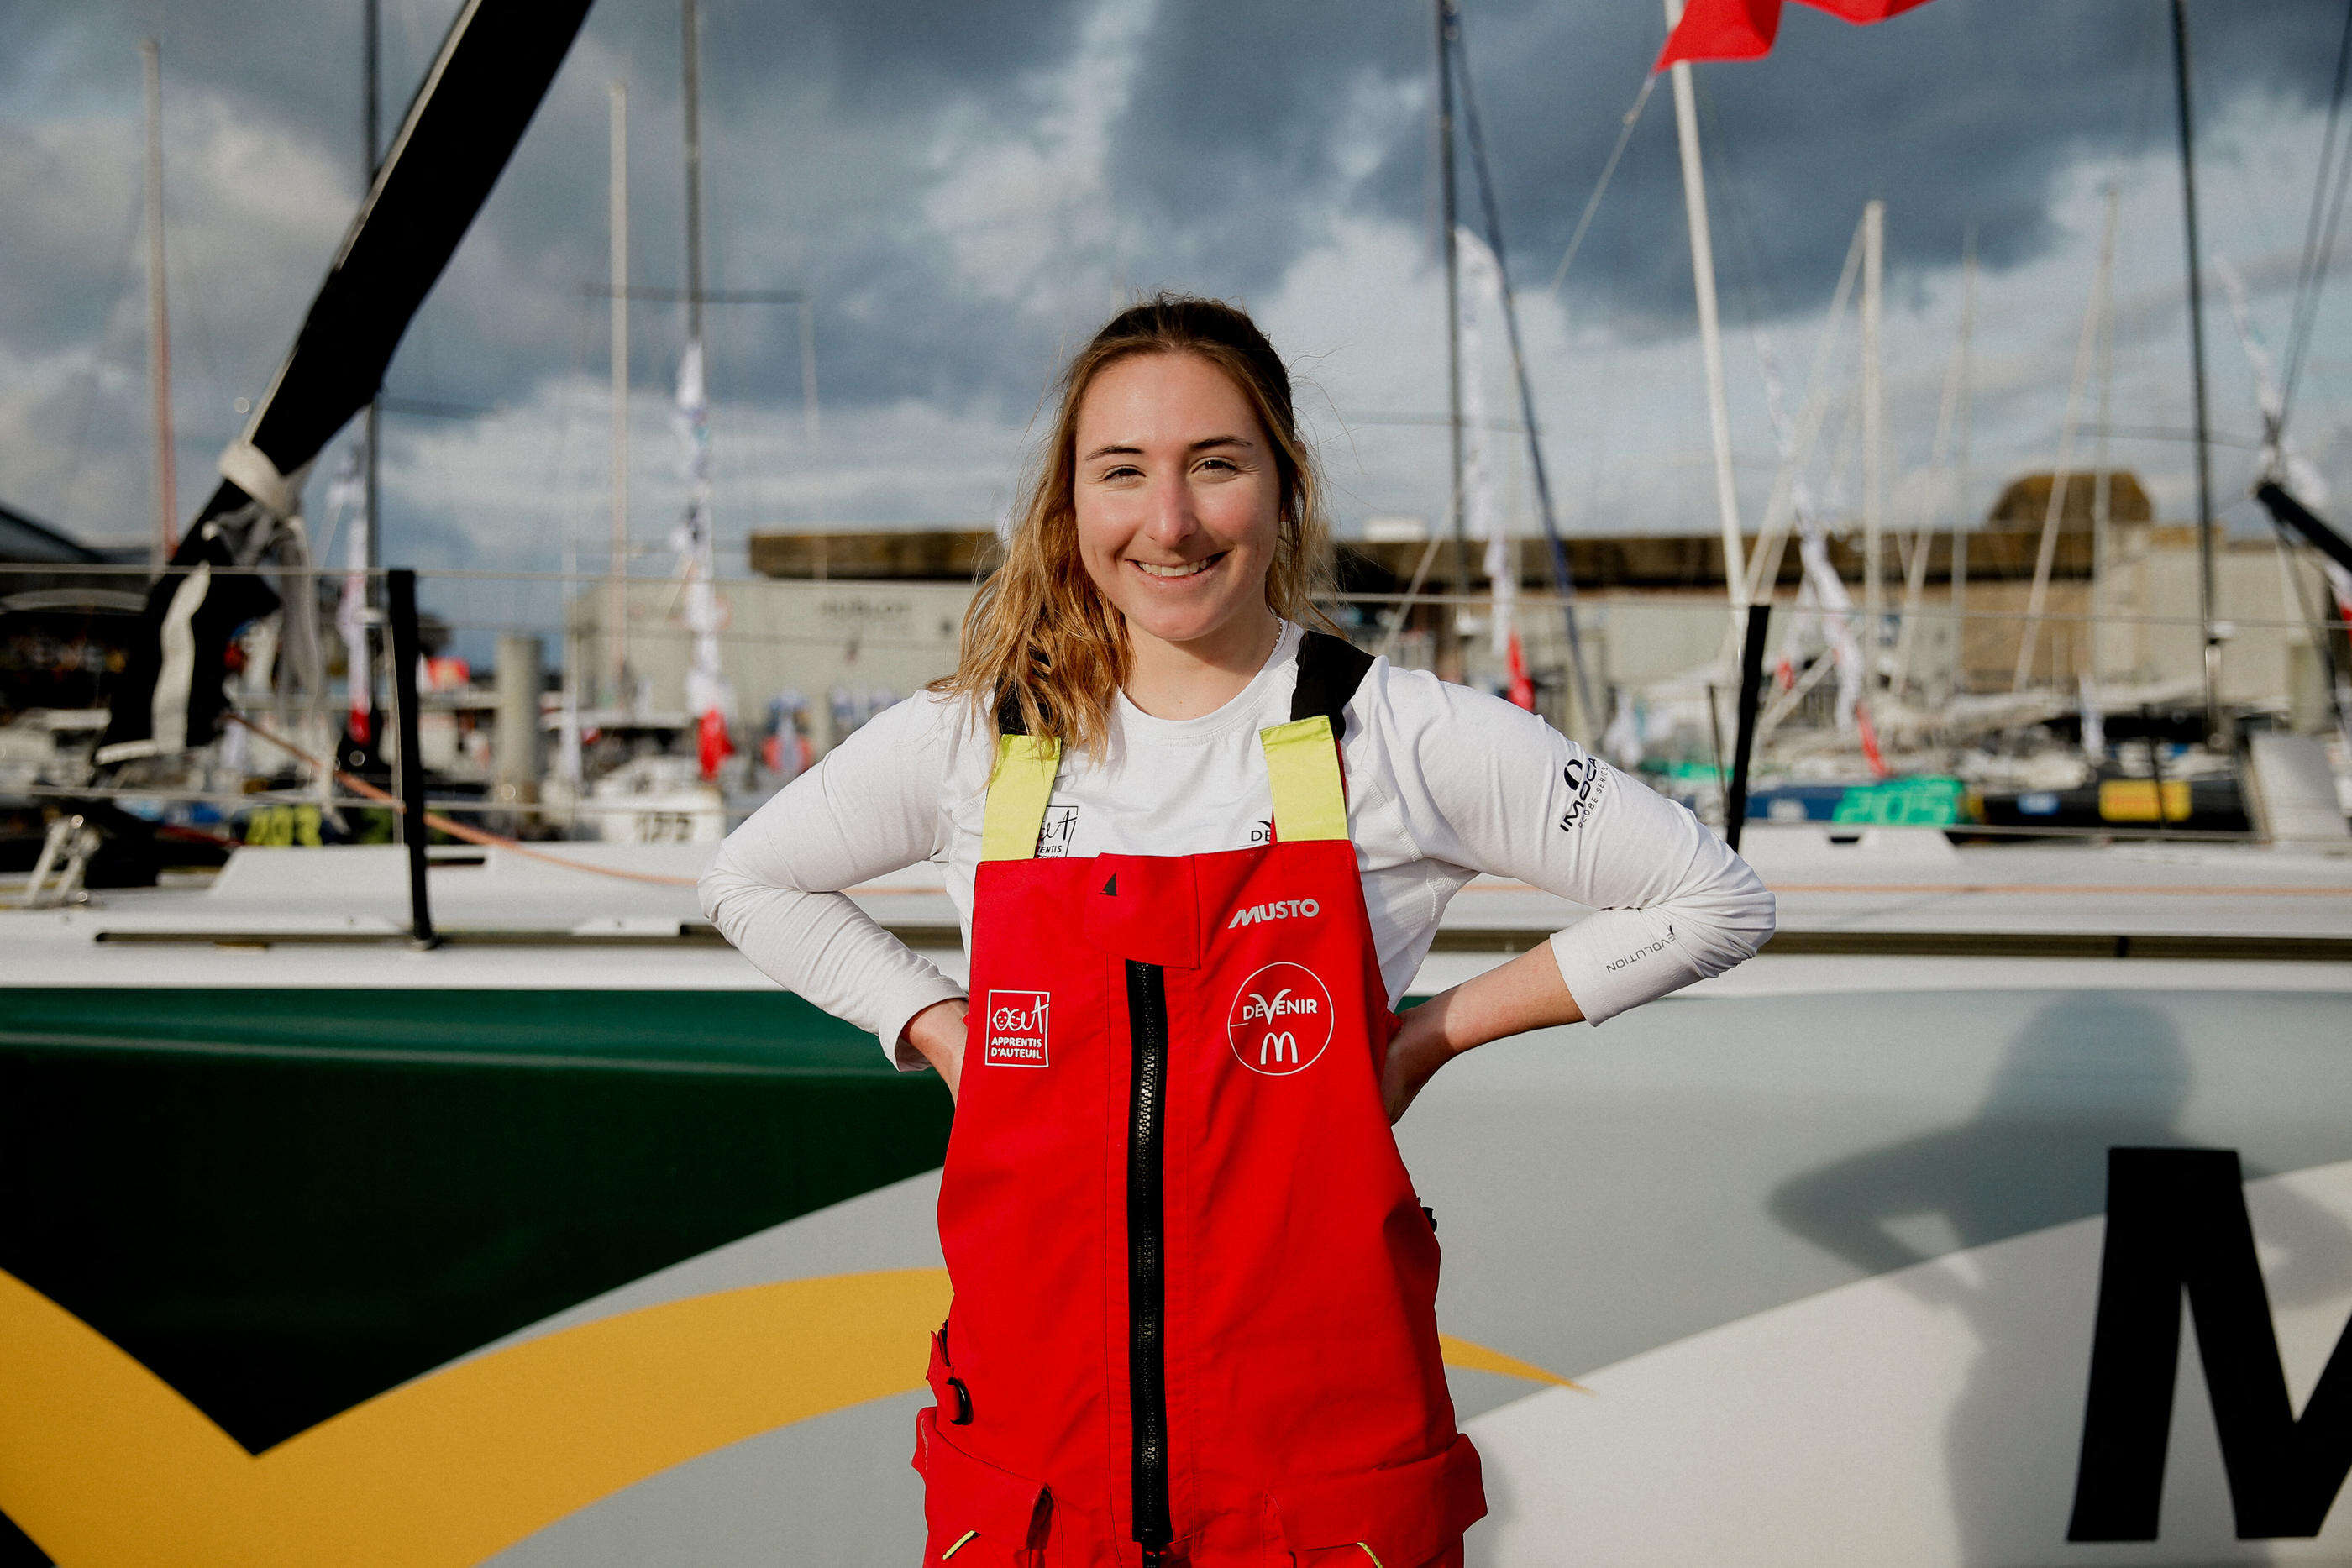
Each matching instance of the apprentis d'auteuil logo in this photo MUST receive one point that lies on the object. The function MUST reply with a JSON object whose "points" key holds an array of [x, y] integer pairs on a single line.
{"points": [[1281, 1019], [1016, 1029]]}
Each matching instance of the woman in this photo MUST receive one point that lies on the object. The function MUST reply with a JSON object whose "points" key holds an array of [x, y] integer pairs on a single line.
{"points": [[1193, 1318]]}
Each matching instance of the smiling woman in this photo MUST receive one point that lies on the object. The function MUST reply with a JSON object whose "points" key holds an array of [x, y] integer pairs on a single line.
{"points": [[1176, 528], [1174, 520], [1200, 851]]}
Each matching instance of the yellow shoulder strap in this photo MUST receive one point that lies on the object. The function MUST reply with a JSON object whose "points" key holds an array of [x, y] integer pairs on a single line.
{"points": [[1018, 787], [1303, 761]]}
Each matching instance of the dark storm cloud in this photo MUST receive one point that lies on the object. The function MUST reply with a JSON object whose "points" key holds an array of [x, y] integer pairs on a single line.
{"points": [[1246, 128], [1232, 133], [1959, 113], [868, 81]]}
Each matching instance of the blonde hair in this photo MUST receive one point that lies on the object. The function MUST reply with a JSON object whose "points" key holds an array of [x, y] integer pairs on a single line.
{"points": [[1039, 636]]}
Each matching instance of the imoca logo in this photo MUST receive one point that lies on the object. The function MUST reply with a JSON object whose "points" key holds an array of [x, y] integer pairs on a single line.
{"points": [[1281, 1020]]}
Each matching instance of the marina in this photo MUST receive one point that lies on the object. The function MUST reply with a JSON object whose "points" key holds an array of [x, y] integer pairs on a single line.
{"points": [[398, 1168]]}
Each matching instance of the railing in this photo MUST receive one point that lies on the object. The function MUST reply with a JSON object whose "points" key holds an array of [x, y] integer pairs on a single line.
{"points": [[1979, 719]]}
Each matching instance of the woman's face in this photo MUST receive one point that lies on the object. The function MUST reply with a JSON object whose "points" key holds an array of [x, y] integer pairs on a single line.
{"points": [[1178, 499]]}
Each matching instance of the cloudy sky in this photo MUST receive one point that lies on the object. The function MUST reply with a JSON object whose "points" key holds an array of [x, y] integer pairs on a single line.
{"points": [[969, 187]]}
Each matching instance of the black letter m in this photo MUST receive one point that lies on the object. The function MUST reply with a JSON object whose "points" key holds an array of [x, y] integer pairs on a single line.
{"points": [[2176, 1218]]}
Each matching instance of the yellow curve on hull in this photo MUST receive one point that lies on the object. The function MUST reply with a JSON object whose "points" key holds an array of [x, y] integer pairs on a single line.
{"points": [[106, 1466]]}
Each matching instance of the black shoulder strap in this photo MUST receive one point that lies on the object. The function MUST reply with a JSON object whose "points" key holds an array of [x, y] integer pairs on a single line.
{"points": [[1329, 670]]}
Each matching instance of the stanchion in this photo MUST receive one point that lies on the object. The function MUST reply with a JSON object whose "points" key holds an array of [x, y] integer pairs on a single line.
{"points": [[1751, 691], [401, 602]]}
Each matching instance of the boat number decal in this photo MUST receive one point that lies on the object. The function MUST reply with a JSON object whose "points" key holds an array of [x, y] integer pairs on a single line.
{"points": [[1281, 1020], [2178, 1228], [1016, 1029]]}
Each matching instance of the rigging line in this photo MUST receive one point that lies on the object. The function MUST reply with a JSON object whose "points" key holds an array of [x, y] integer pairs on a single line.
{"points": [[455, 830], [62, 512], [2305, 284], [1738, 222], [2319, 275], [1792, 444], [1592, 203], [1739, 226], [1563, 578]]}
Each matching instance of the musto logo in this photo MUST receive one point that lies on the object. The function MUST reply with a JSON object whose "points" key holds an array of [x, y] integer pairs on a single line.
{"points": [[1016, 1029], [1280, 1020]]}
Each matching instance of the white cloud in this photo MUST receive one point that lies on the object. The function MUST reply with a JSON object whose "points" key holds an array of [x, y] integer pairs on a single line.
{"points": [[1026, 209]]}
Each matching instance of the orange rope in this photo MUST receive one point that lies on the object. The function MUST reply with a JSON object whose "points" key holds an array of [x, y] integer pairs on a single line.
{"points": [[456, 830]]}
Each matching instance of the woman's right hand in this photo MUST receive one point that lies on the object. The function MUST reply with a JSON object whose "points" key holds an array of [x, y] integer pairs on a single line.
{"points": [[938, 1034]]}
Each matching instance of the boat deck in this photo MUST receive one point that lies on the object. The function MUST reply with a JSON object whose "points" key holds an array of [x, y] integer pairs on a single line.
{"points": [[1883, 905]]}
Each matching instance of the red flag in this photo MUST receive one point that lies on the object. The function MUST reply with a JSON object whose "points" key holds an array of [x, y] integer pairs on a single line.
{"points": [[1523, 690], [712, 743], [1744, 29]]}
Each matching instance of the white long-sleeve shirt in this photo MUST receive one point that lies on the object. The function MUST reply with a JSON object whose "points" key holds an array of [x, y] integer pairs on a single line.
{"points": [[1444, 783]]}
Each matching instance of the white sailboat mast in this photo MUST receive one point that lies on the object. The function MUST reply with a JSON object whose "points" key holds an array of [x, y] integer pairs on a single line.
{"points": [[1710, 330], [617, 588], [693, 51], [159, 326], [2053, 512], [1874, 438]]}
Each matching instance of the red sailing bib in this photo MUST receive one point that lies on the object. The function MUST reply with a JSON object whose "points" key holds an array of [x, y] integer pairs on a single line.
{"points": [[1194, 1316]]}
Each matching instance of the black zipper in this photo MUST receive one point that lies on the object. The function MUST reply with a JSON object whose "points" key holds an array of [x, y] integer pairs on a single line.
{"points": [[1147, 1363]]}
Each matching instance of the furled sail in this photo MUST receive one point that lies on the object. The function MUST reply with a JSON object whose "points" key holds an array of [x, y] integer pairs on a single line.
{"points": [[493, 68]]}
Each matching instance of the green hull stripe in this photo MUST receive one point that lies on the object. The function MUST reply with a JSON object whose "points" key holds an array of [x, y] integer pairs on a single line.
{"points": [[285, 1201]]}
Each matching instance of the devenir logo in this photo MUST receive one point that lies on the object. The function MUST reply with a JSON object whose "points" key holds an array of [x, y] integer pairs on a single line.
{"points": [[1281, 1019], [1016, 1033]]}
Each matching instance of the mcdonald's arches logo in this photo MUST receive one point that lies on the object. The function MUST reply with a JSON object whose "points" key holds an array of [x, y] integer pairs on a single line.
{"points": [[1281, 1019]]}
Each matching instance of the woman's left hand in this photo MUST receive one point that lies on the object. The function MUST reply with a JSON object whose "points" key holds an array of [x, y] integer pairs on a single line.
{"points": [[1416, 1054], [1524, 994]]}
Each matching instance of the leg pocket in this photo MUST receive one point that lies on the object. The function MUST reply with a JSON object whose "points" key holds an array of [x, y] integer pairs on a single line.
{"points": [[975, 1514], [1400, 1516], [1361, 1557], [1331, 1557]]}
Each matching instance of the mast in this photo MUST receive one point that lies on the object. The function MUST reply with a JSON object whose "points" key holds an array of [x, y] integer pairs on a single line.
{"points": [[2061, 478], [1874, 437], [2212, 649], [708, 694], [1929, 510], [617, 590], [1710, 331], [2102, 479], [1962, 524], [693, 175], [372, 53], [1447, 14], [1563, 580], [159, 327]]}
